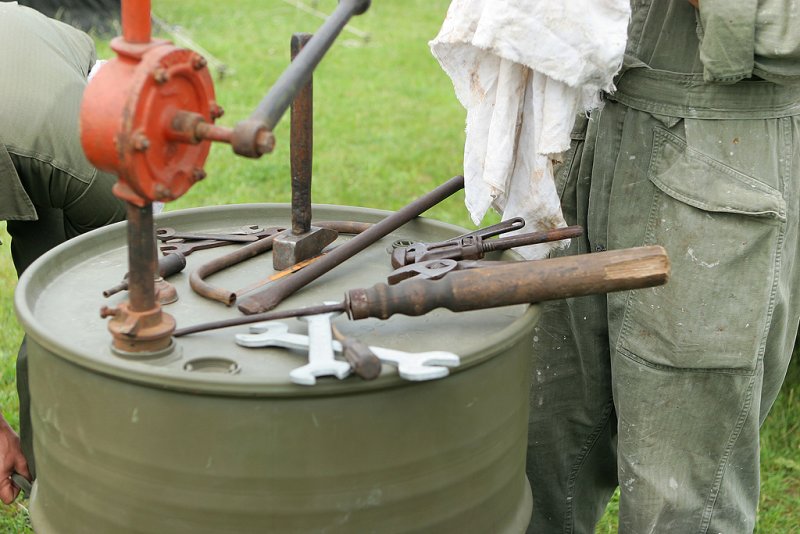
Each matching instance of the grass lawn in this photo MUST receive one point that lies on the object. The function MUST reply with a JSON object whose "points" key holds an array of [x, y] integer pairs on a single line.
{"points": [[387, 129]]}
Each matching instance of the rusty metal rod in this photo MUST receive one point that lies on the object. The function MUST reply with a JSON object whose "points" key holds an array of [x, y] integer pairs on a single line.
{"points": [[167, 266], [267, 316], [197, 280], [141, 257], [212, 132], [533, 238], [273, 295], [280, 96], [301, 145], [520, 282], [271, 278]]}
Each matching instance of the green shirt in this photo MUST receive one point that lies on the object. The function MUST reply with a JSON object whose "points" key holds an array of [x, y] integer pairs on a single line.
{"points": [[44, 64], [724, 41]]}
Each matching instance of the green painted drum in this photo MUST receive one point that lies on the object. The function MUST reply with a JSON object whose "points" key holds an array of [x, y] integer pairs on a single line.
{"points": [[214, 437]]}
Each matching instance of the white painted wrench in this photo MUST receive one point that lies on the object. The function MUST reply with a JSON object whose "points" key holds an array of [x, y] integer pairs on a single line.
{"points": [[416, 366]]}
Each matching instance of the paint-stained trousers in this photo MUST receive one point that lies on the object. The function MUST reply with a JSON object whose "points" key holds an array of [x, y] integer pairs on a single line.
{"points": [[662, 391]]}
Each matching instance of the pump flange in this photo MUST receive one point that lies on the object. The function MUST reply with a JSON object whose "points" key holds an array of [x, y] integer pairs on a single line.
{"points": [[127, 117]]}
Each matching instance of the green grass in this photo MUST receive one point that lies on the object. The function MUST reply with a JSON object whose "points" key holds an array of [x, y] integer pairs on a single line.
{"points": [[387, 129]]}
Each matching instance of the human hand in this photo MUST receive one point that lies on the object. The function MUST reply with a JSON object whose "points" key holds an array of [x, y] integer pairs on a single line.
{"points": [[11, 459]]}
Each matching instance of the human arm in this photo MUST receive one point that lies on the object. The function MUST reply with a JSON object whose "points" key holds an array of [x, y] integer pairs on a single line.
{"points": [[11, 460], [749, 39]]}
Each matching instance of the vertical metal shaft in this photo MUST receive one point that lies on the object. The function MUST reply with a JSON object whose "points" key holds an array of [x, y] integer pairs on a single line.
{"points": [[135, 15], [302, 146], [141, 258]]}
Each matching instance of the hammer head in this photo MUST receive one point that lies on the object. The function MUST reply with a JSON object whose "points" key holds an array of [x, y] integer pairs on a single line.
{"points": [[289, 249]]}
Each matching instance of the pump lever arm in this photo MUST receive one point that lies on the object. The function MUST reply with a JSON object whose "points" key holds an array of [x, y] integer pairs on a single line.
{"points": [[249, 134]]}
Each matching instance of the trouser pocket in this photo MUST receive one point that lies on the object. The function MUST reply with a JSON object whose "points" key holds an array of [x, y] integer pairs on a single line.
{"points": [[722, 230]]}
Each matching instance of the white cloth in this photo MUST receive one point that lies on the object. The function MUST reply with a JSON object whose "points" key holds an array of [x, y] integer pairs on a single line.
{"points": [[96, 68], [524, 69]]}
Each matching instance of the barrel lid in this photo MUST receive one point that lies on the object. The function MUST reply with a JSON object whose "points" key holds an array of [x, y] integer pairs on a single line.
{"points": [[59, 297]]}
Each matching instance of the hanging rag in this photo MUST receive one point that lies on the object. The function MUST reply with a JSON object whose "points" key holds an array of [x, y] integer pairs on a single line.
{"points": [[524, 69]]}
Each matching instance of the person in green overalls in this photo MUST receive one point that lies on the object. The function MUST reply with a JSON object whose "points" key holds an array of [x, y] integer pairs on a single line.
{"points": [[661, 392], [49, 192]]}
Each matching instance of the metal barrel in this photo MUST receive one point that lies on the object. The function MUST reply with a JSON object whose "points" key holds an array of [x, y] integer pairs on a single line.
{"points": [[213, 437]]}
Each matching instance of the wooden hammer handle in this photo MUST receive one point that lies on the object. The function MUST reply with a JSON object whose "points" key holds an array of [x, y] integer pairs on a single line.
{"points": [[516, 283]]}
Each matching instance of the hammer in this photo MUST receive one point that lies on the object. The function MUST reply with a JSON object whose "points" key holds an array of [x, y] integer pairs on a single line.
{"points": [[303, 241]]}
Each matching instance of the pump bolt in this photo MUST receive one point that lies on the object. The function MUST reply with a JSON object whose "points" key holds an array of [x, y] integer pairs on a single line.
{"points": [[140, 142], [198, 174], [198, 62], [162, 192], [160, 75], [216, 111]]}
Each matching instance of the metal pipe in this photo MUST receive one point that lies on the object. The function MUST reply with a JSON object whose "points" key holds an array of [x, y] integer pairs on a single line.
{"points": [[135, 15], [141, 257], [279, 290], [212, 132]]}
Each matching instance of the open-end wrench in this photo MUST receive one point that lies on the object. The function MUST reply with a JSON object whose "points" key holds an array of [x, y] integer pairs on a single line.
{"points": [[165, 234], [187, 247], [415, 366], [321, 358]]}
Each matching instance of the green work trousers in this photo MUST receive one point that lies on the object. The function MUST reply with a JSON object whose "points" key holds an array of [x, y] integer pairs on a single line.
{"points": [[66, 207], [662, 391]]}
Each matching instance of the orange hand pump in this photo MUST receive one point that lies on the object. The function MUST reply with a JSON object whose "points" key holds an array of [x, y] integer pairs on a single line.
{"points": [[148, 117], [134, 113], [129, 116]]}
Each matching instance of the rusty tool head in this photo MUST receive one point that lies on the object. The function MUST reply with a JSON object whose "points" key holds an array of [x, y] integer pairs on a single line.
{"points": [[303, 241], [358, 354], [290, 249]]}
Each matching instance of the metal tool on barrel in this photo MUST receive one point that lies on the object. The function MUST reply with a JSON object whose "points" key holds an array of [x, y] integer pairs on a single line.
{"points": [[303, 241], [519, 282], [415, 366]]}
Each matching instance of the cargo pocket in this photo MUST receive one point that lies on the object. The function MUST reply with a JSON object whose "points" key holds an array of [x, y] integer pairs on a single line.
{"points": [[722, 230]]}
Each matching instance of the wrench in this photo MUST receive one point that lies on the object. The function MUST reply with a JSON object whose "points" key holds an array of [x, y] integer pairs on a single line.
{"points": [[427, 270], [436, 269], [416, 366], [321, 358], [164, 234], [187, 247]]}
